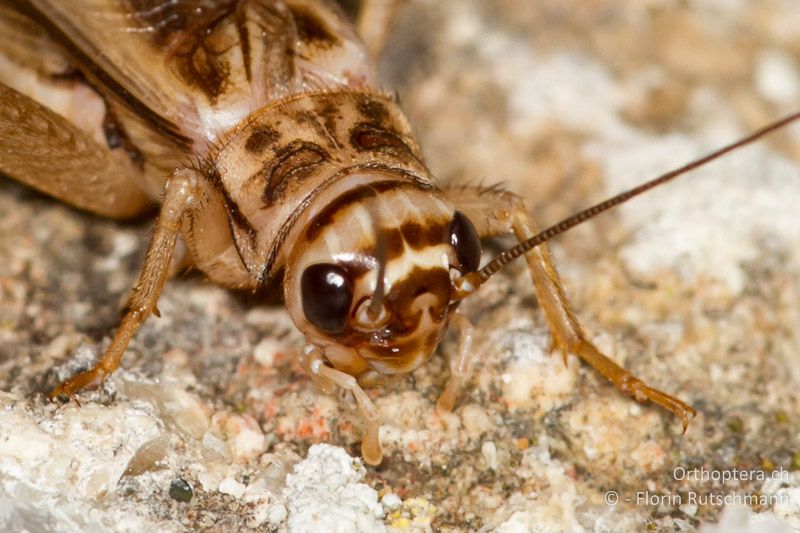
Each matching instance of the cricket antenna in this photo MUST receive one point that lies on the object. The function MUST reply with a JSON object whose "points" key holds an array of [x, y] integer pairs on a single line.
{"points": [[376, 303], [472, 281]]}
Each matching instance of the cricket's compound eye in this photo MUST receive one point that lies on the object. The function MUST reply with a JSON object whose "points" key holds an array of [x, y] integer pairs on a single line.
{"points": [[327, 292], [466, 242]]}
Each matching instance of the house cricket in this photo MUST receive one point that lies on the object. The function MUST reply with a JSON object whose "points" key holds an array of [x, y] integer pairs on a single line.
{"points": [[259, 127]]}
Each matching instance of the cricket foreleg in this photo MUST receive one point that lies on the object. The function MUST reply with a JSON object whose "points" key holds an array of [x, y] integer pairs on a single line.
{"points": [[497, 212], [181, 192]]}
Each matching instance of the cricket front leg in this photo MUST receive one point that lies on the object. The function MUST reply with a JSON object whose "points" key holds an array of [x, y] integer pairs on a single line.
{"points": [[181, 192], [497, 212]]}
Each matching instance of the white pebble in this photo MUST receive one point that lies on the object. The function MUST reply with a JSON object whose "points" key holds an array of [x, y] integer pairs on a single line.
{"points": [[325, 489], [489, 451], [391, 501], [245, 439], [264, 352], [231, 487], [277, 514], [475, 420]]}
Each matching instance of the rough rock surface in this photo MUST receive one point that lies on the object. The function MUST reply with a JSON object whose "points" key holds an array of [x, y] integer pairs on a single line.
{"points": [[695, 288]]}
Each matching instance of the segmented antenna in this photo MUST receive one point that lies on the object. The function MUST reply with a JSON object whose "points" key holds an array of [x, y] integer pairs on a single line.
{"points": [[375, 304], [472, 281]]}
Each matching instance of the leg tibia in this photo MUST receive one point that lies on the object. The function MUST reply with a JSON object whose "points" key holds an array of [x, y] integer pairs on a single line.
{"points": [[180, 191], [495, 212]]}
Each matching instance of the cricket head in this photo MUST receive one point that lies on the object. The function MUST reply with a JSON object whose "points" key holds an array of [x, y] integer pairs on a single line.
{"points": [[374, 279]]}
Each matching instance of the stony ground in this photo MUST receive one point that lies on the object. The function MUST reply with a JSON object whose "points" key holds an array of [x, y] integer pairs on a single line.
{"points": [[695, 289]]}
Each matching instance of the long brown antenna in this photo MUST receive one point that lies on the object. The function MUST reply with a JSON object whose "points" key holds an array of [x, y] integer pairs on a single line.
{"points": [[476, 279]]}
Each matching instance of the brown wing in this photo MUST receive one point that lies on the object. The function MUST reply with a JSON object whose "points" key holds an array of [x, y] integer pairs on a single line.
{"points": [[195, 68], [49, 153]]}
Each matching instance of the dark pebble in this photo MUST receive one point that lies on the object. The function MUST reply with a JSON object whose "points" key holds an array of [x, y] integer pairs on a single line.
{"points": [[180, 490]]}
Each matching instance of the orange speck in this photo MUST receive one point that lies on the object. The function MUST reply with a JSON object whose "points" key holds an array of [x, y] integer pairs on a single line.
{"points": [[305, 430], [315, 427], [271, 410]]}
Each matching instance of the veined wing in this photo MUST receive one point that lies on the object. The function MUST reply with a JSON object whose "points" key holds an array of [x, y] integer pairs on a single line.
{"points": [[196, 68]]}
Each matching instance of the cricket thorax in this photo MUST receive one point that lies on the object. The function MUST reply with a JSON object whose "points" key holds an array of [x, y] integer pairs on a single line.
{"points": [[286, 162]]}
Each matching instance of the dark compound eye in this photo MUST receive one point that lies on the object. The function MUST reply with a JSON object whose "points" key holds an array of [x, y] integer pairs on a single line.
{"points": [[466, 242], [327, 293]]}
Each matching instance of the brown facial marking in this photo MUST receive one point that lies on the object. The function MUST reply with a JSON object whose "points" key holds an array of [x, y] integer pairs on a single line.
{"points": [[312, 30], [261, 138], [394, 243], [419, 281], [419, 236], [296, 161], [385, 343], [268, 270], [357, 194]]}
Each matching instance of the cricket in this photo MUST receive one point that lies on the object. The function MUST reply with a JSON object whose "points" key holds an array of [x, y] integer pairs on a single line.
{"points": [[276, 155]]}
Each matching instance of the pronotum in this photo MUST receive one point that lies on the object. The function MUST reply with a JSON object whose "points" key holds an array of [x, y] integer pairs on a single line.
{"points": [[260, 127]]}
